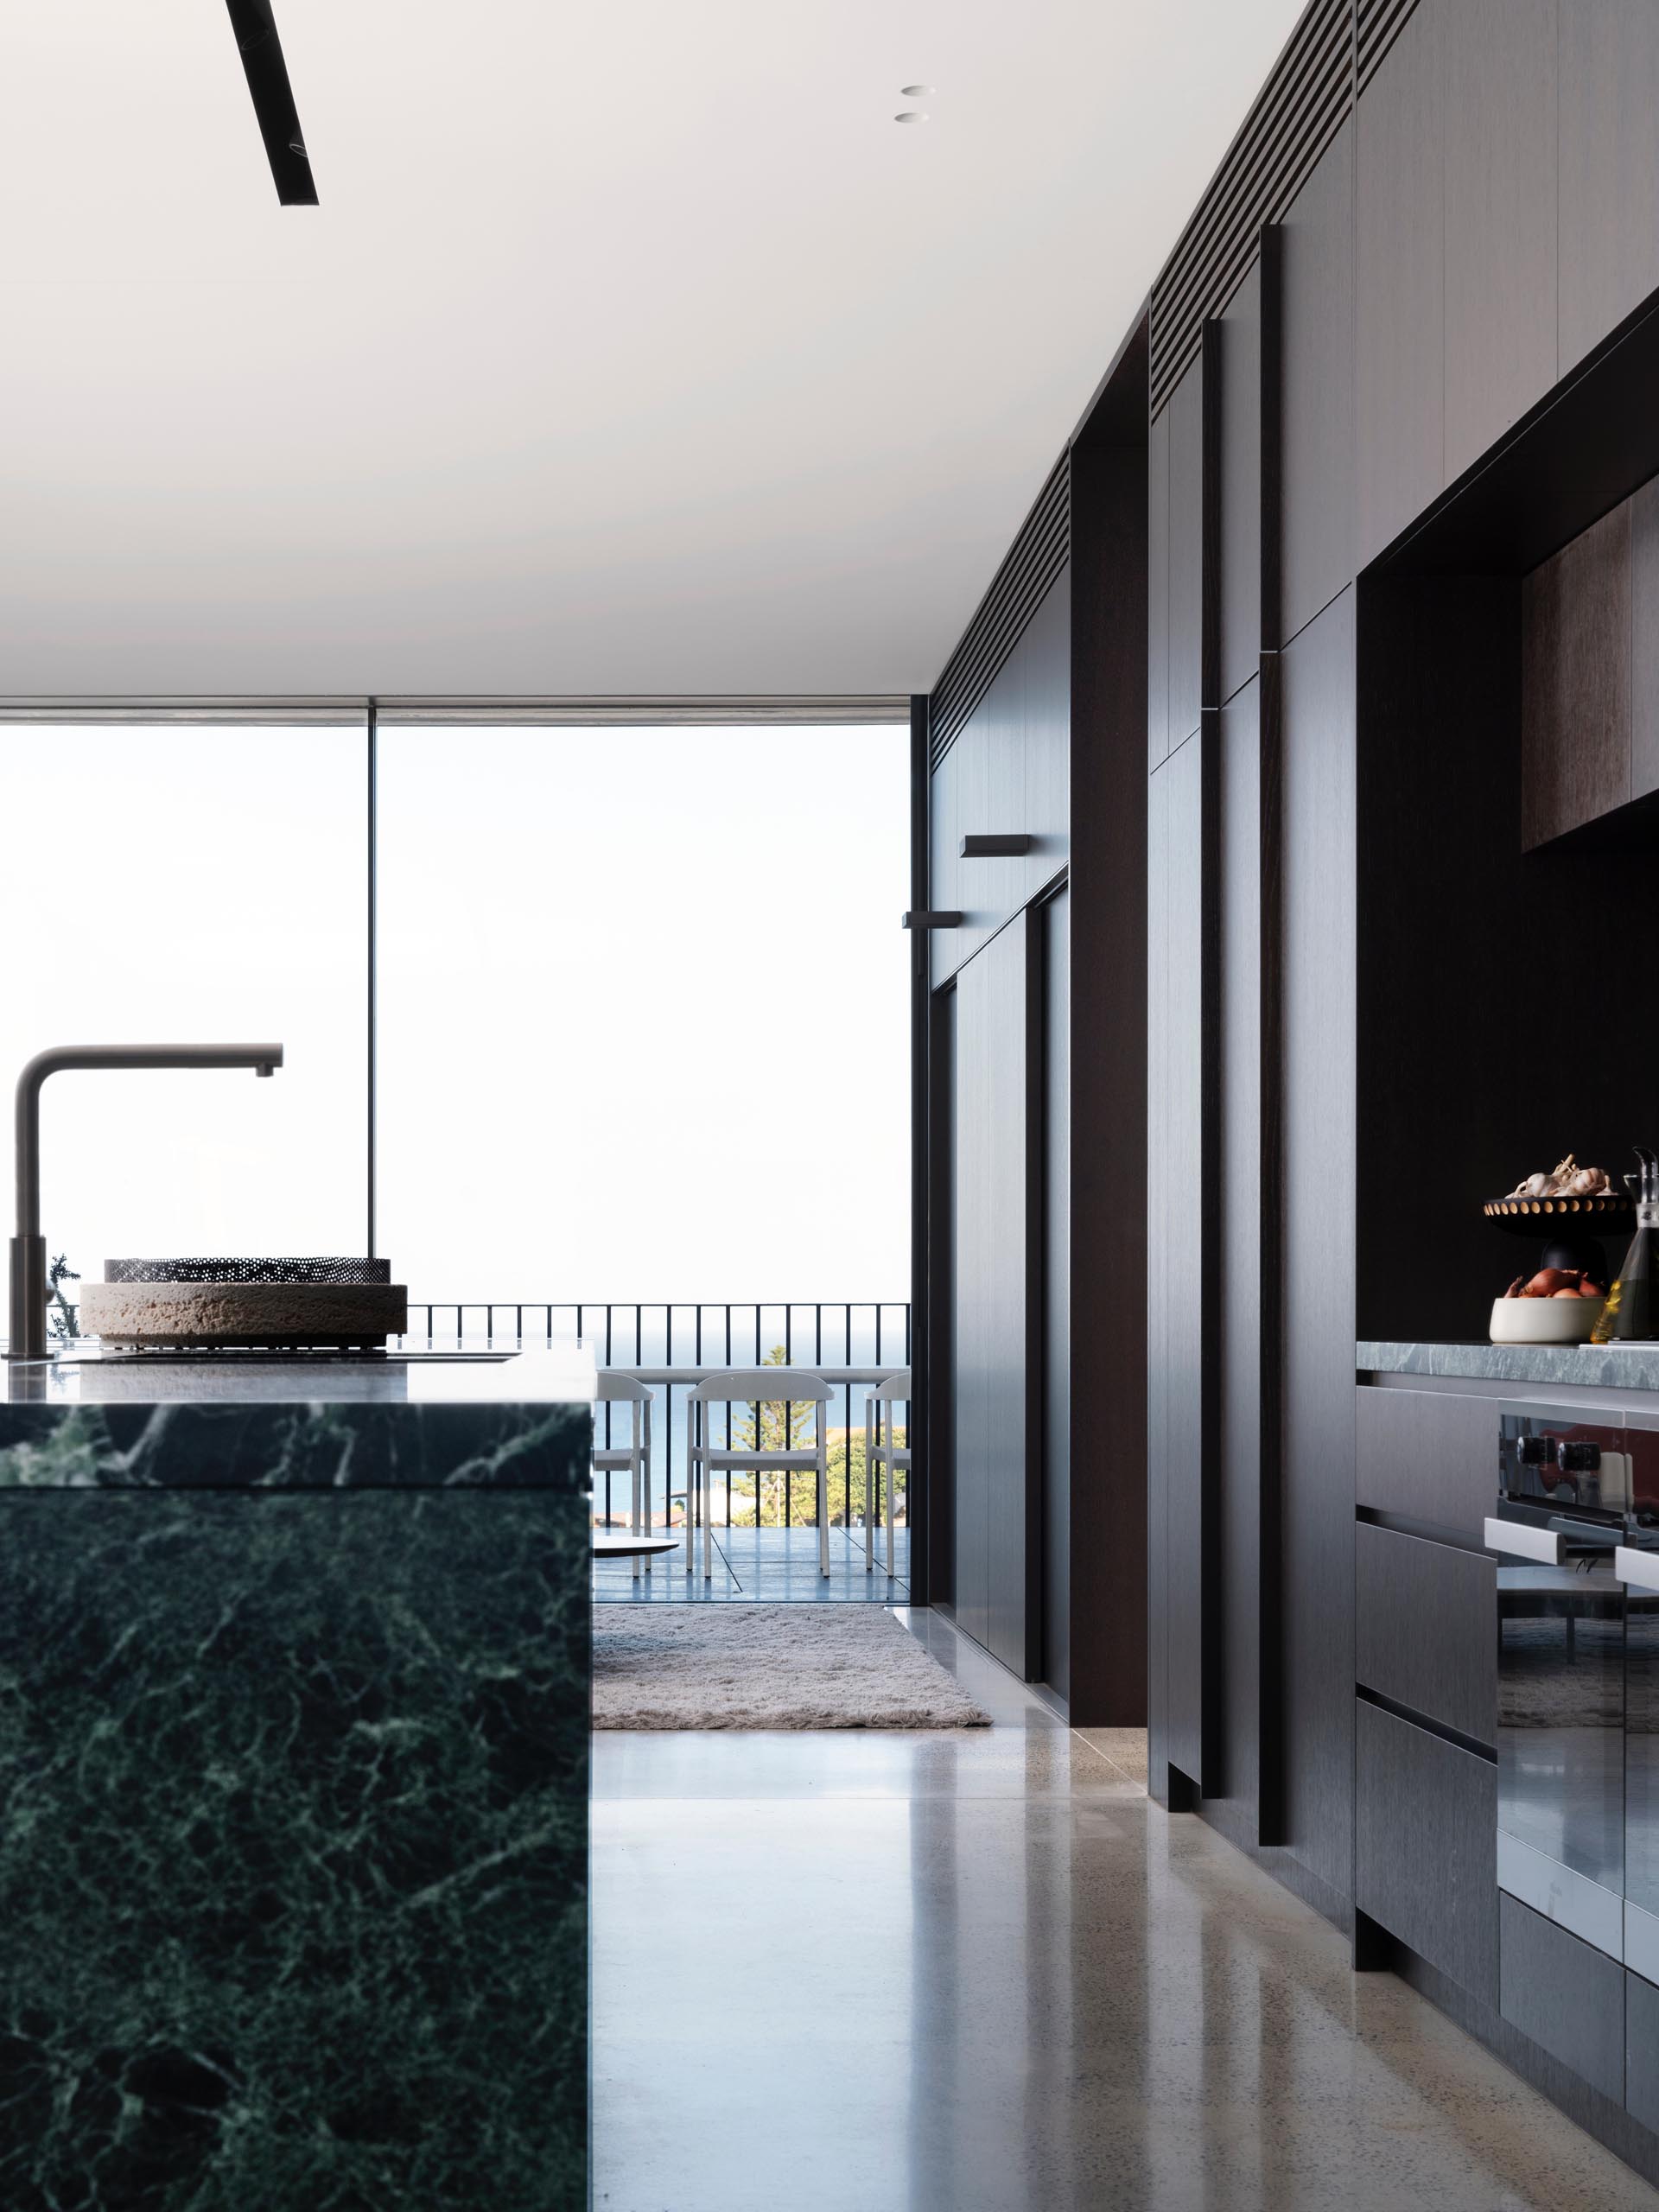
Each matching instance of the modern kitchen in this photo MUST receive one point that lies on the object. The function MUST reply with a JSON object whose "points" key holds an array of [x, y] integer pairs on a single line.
{"points": [[1203, 466]]}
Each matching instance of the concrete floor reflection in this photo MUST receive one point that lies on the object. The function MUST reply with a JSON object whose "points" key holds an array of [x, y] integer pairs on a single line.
{"points": [[981, 1972]]}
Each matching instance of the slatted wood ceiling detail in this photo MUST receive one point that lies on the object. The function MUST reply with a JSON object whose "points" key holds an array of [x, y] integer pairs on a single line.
{"points": [[1299, 112], [1035, 559]]}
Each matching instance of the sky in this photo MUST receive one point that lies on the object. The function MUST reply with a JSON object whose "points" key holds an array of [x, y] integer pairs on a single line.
{"points": [[643, 1001]]}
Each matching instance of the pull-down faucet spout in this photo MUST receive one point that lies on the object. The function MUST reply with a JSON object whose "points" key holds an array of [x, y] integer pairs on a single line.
{"points": [[27, 1329]]}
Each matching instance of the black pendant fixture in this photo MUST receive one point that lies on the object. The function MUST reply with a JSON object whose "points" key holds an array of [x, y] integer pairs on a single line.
{"points": [[273, 101]]}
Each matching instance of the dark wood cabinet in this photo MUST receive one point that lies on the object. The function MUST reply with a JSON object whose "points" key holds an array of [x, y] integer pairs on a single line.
{"points": [[1644, 640], [1563, 1995], [1642, 2051], [1400, 284], [1316, 988], [1186, 442], [1051, 921], [1158, 739], [1608, 98], [1160, 1208], [1427, 1456], [1238, 352], [996, 1552], [1317, 389], [1501, 254], [1239, 1307], [1009, 769], [1178, 1138], [1575, 683], [1423, 1629], [1426, 1846]]}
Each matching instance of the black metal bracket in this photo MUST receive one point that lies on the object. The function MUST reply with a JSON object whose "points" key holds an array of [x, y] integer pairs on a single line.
{"points": [[932, 917]]}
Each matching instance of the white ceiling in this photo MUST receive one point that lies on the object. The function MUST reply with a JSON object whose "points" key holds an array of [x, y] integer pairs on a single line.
{"points": [[633, 347]]}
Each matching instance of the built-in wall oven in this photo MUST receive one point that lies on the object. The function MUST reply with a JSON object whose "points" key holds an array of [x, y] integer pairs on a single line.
{"points": [[1577, 1535]]}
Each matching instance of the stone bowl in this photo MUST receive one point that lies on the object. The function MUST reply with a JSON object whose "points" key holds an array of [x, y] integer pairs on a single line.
{"points": [[281, 1316]]}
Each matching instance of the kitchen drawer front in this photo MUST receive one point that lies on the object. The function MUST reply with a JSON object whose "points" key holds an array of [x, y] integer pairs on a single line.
{"points": [[1564, 1995], [1642, 2051], [1424, 1629], [1427, 1456], [1426, 1846]]}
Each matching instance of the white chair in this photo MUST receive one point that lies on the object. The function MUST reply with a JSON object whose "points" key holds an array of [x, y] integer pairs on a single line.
{"points": [[881, 1451], [757, 1386], [634, 1457]]}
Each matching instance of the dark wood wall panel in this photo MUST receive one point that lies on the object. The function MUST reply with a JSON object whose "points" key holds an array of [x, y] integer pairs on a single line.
{"points": [[1500, 217], [1187, 555], [1317, 372], [1644, 639], [1161, 1199], [1400, 284], [1239, 567], [1179, 1146], [994, 1480], [1053, 933], [1107, 902], [1318, 837], [1009, 770], [1575, 683], [1608, 98], [1237, 1307], [1158, 737], [941, 1410]]}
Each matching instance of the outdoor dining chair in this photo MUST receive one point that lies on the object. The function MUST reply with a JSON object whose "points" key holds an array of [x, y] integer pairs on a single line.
{"points": [[881, 1451], [757, 1386], [632, 1459]]}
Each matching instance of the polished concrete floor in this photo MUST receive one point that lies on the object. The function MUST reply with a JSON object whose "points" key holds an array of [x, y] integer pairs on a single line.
{"points": [[767, 1566], [981, 1971]]}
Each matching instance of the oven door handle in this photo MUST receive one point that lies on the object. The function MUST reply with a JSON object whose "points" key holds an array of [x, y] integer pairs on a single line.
{"points": [[1640, 1568], [1523, 1540]]}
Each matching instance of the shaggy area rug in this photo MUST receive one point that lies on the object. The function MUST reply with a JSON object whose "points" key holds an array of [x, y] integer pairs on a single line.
{"points": [[743, 1666]]}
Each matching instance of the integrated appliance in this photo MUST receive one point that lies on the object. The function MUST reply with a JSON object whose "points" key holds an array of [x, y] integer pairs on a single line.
{"points": [[1576, 1531]]}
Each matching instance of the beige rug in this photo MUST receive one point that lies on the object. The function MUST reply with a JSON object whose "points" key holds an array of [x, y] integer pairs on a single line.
{"points": [[743, 1666]]}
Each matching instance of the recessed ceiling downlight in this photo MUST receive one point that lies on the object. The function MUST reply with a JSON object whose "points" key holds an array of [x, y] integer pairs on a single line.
{"points": [[910, 115], [914, 92]]}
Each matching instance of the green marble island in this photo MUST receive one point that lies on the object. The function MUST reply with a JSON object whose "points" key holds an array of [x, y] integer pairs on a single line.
{"points": [[295, 1667]]}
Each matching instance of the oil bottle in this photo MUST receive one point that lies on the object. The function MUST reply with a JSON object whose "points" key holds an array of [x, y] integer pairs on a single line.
{"points": [[1630, 1311]]}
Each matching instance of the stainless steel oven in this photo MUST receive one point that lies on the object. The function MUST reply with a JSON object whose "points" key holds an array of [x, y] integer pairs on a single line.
{"points": [[1562, 1514]]}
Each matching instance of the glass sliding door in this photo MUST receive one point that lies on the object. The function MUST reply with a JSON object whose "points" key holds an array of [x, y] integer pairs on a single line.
{"points": [[180, 883]]}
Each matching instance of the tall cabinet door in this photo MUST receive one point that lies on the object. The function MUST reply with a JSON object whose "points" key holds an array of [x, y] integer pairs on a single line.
{"points": [[996, 1546]]}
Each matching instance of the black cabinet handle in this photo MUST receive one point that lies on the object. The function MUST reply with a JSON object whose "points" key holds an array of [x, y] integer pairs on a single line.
{"points": [[998, 848]]}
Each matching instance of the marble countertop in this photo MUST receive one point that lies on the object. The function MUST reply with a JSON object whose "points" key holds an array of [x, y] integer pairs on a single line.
{"points": [[523, 1421], [1599, 1367], [562, 1375]]}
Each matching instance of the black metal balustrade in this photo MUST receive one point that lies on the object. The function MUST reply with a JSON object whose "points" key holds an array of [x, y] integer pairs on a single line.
{"points": [[869, 1334]]}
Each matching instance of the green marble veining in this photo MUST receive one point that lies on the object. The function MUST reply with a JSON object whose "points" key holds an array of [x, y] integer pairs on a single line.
{"points": [[292, 1851], [295, 1447]]}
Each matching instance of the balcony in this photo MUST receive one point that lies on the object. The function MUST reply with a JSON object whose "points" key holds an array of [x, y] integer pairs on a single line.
{"points": [[766, 1529]]}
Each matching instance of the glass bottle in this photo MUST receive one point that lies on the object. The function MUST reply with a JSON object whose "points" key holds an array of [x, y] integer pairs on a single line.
{"points": [[1629, 1312]]}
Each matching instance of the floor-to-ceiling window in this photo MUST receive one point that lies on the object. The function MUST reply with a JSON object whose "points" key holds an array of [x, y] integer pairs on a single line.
{"points": [[644, 1013], [641, 1026], [178, 882]]}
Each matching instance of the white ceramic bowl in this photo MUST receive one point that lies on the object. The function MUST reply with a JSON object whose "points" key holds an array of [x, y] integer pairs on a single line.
{"points": [[1544, 1321]]}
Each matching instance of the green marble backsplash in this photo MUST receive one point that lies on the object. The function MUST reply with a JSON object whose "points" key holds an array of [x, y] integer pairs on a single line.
{"points": [[292, 1850]]}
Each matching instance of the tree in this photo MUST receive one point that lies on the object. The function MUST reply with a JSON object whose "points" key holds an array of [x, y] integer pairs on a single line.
{"points": [[790, 1428]]}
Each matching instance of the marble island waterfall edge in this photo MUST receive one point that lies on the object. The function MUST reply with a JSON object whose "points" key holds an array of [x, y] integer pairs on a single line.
{"points": [[294, 1712]]}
